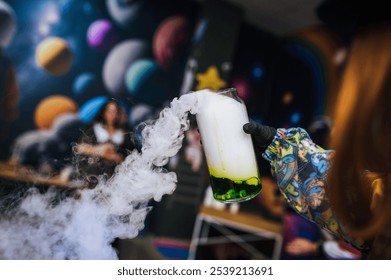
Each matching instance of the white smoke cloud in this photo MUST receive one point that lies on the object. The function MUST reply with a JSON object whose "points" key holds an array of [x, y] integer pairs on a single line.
{"points": [[83, 224]]}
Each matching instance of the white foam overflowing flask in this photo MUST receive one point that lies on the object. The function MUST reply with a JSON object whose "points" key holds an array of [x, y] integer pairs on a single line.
{"points": [[229, 151]]}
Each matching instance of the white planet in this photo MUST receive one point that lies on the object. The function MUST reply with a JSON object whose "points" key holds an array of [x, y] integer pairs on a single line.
{"points": [[118, 61], [122, 11], [7, 24]]}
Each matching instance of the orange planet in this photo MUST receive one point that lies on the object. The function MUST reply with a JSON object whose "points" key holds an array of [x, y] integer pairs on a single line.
{"points": [[52, 107], [54, 56]]}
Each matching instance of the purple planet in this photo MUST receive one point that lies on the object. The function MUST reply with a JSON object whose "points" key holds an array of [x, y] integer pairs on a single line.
{"points": [[102, 35]]}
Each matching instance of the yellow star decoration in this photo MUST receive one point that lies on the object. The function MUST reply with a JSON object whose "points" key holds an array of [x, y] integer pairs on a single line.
{"points": [[210, 79]]}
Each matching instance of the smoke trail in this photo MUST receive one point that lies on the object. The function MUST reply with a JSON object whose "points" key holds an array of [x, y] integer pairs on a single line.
{"points": [[83, 225]]}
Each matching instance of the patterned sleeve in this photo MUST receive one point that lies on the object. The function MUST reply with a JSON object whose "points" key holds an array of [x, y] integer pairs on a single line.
{"points": [[300, 168]]}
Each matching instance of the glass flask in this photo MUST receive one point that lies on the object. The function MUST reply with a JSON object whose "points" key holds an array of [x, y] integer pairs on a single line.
{"points": [[229, 151]]}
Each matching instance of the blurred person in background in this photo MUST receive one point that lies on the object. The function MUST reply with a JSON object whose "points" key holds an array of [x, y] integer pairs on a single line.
{"points": [[104, 144]]}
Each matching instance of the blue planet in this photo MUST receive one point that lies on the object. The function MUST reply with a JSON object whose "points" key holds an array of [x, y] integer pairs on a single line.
{"points": [[85, 86], [138, 73], [147, 83], [90, 109]]}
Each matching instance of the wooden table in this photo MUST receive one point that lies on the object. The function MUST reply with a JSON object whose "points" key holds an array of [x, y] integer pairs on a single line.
{"points": [[16, 180], [21, 174], [252, 227]]}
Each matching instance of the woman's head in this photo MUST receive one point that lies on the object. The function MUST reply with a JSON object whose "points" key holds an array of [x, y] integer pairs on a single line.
{"points": [[362, 133], [109, 114]]}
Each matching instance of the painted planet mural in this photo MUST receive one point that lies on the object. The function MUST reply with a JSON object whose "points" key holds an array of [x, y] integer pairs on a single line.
{"points": [[138, 73], [171, 35], [102, 35], [85, 86], [90, 109], [54, 56], [7, 24], [146, 82], [123, 12], [118, 61], [135, 18], [50, 108]]}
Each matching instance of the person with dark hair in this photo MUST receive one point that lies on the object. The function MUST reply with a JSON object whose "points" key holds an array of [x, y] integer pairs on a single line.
{"points": [[346, 190], [104, 144]]}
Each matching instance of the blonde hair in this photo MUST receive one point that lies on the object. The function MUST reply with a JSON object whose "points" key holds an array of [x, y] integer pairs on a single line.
{"points": [[362, 134]]}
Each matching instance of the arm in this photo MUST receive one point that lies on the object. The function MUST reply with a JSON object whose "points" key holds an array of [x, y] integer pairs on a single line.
{"points": [[88, 146], [86, 149], [300, 168], [106, 151]]}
